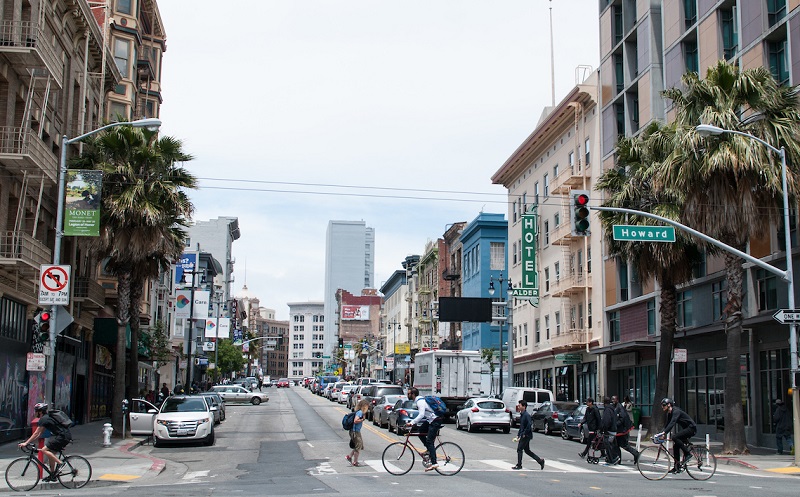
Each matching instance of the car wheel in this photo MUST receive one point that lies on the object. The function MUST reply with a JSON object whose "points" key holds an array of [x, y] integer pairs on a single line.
{"points": [[458, 425], [157, 442], [470, 428], [255, 401], [534, 427], [547, 429], [564, 434], [209, 439], [506, 430]]}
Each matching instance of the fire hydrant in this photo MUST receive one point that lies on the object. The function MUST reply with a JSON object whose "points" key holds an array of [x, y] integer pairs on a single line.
{"points": [[107, 431]]}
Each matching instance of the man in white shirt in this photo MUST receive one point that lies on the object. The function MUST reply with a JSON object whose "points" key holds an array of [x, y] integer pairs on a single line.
{"points": [[427, 421]]}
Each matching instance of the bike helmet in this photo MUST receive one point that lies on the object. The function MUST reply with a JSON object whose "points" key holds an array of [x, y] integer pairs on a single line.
{"points": [[666, 401], [41, 406]]}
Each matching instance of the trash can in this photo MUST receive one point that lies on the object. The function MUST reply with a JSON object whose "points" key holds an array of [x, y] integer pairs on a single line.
{"points": [[637, 413]]}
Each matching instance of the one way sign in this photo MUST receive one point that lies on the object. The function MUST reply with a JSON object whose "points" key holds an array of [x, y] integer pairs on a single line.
{"points": [[787, 316]]}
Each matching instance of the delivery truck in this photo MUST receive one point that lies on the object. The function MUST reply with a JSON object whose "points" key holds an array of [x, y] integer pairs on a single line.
{"points": [[452, 375]]}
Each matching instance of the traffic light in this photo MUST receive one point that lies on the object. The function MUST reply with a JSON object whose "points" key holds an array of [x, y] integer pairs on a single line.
{"points": [[579, 212], [43, 324], [341, 343]]}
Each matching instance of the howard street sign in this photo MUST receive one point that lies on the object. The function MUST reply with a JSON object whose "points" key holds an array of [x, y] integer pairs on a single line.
{"points": [[644, 233], [787, 316]]}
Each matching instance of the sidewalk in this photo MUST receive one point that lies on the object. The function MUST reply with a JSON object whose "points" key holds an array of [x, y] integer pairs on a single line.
{"points": [[118, 463], [759, 458]]}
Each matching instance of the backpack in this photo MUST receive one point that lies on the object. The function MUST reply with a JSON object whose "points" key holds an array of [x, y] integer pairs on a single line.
{"points": [[347, 421], [436, 404], [61, 418], [624, 422]]}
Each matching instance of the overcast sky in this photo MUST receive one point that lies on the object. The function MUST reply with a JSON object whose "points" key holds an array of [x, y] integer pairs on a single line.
{"points": [[303, 111]]}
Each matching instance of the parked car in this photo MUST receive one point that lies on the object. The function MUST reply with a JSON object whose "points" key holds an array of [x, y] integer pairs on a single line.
{"points": [[383, 407], [141, 417], [184, 418], [220, 403], [483, 412], [374, 391], [323, 382], [283, 383], [249, 382], [337, 388], [402, 412], [344, 394], [365, 381], [570, 428], [355, 396], [551, 415], [237, 394]]}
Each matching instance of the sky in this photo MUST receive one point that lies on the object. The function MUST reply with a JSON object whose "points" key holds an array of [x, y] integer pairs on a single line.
{"points": [[396, 113]]}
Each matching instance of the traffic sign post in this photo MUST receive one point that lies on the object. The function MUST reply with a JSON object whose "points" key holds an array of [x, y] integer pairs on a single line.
{"points": [[54, 284], [787, 316]]}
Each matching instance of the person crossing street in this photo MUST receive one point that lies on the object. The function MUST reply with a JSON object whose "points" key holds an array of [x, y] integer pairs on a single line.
{"points": [[524, 436]]}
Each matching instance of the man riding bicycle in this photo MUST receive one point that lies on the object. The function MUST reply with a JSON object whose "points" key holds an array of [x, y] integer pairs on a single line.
{"points": [[428, 422], [686, 430], [61, 436]]}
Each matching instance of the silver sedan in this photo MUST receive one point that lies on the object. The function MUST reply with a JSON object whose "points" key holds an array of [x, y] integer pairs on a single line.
{"points": [[483, 413]]}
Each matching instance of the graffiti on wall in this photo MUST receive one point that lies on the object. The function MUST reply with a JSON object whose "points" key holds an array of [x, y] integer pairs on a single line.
{"points": [[65, 366], [13, 397]]}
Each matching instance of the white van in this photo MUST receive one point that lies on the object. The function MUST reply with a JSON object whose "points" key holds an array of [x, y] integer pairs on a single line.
{"points": [[535, 397]]}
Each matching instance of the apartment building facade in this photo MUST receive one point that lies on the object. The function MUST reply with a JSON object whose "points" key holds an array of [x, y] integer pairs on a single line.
{"points": [[306, 345]]}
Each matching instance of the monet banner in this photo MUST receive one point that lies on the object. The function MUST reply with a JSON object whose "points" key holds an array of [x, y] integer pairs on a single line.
{"points": [[82, 204]]}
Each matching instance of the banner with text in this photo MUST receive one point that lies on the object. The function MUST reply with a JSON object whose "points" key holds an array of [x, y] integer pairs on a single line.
{"points": [[355, 313], [528, 287], [82, 203]]}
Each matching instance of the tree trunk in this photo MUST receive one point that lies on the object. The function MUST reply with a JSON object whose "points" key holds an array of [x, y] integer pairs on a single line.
{"points": [[668, 324], [123, 317], [133, 353], [734, 441]]}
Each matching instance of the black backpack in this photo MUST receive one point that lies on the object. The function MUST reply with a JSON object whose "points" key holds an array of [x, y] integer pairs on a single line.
{"points": [[624, 422]]}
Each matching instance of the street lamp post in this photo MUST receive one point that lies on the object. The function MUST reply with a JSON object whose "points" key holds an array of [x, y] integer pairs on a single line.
{"points": [[708, 130], [150, 123], [190, 363], [504, 304]]}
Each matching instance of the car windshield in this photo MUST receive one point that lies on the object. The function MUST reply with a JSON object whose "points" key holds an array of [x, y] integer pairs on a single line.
{"points": [[173, 404], [491, 404]]}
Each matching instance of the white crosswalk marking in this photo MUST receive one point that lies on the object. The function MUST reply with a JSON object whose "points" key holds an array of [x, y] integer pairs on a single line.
{"points": [[567, 468]]}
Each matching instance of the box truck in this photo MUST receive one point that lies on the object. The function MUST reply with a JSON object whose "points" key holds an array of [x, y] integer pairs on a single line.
{"points": [[452, 375]]}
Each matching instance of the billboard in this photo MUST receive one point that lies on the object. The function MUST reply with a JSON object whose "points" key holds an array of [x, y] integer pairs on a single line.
{"points": [[355, 313]]}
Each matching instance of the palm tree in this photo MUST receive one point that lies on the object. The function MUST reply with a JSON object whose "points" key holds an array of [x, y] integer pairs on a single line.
{"points": [[629, 186], [732, 184], [144, 207]]}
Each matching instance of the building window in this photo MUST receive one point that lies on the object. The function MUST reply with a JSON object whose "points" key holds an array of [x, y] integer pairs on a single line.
{"points": [[571, 161], [547, 327], [122, 53], [557, 220], [514, 212], [777, 61], [616, 13], [589, 314], [690, 56], [557, 270], [613, 326], [719, 299], [525, 332], [497, 253], [619, 74], [125, 6], [555, 171], [730, 35], [536, 193], [546, 279], [619, 112], [685, 309], [558, 323], [689, 13], [546, 186], [651, 317], [776, 10], [586, 145], [547, 232], [622, 272], [514, 253], [537, 331], [767, 290], [117, 111]]}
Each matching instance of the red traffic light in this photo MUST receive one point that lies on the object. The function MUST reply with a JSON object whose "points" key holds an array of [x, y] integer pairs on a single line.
{"points": [[581, 199], [44, 316]]}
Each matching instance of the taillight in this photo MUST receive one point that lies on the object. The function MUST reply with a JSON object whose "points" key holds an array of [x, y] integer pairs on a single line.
{"points": [[374, 401], [403, 412], [474, 409], [387, 408], [555, 415], [507, 410]]}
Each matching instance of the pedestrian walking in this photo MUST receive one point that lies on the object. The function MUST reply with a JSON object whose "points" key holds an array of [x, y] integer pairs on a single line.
{"points": [[356, 442], [525, 435], [608, 425], [624, 427], [783, 426], [591, 419], [164, 391]]}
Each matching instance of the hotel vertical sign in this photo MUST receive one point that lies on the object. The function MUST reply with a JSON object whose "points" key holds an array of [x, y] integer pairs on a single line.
{"points": [[529, 285]]}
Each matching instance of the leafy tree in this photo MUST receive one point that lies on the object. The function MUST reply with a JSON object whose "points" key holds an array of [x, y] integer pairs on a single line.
{"points": [[732, 184], [487, 355], [229, 357], [160, 350], [628, 185]]}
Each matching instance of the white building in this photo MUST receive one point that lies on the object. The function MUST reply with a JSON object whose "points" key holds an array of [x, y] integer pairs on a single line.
{"points": [[306, 339], [216, 236], [349, 265]]}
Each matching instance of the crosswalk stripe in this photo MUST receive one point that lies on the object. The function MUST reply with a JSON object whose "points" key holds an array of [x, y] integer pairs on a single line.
{"points": [[569, 468]]}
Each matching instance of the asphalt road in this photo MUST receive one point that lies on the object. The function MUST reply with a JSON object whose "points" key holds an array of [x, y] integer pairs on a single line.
{"points": [[294, 445]]}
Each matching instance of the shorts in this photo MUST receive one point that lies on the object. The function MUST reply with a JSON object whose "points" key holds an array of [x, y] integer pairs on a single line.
{"points": [[357, 442], [58, 442]]}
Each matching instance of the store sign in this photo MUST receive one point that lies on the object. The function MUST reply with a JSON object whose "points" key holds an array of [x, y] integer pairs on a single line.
{"points": [[528, 288]]}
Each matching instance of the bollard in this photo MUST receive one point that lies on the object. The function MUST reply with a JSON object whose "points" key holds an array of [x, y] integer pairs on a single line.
{"points": [[107, 431], [639, 439]]}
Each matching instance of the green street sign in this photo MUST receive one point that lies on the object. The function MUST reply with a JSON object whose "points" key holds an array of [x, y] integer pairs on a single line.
{"points": [[348, 346], [326, 357], [644, 233], [568, 357]]}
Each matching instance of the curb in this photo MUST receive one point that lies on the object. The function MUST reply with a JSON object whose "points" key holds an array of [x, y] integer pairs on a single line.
{"points": [[158, 464], [738, 462]]}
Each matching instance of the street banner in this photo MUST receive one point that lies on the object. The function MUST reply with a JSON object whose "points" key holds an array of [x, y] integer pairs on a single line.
{"points": [[202, 301], [185, 263], [82, 204], [211, 328], [183, 299], [223, 328]]}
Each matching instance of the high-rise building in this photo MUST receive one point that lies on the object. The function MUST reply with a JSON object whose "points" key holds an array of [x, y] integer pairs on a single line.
{"points": [[349, 265]]}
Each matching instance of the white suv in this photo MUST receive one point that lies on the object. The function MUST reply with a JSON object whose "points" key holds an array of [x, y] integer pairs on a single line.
{"points": [[184, 418]]}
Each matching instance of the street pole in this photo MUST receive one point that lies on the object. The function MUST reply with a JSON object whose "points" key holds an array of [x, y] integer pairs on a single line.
{"points": [[189, 364], [150, 123]]}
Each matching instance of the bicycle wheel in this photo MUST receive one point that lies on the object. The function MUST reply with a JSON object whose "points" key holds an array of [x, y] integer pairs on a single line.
{"points": [[450, 458], [654, 463], [22, 474], [398, 458], [704, 464], [76, 472]]}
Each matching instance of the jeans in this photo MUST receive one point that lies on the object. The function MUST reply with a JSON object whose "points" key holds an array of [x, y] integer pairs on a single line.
{"points": [[429, 438], [779, 437], [680, 439]]}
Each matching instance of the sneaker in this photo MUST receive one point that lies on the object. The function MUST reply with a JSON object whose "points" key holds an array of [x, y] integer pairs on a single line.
{"points": [[636, 458], [348, 459], [359, 464], [674, 471], [431, 467], [50, 479], [541, 463], [582, 455], [516, 467]]}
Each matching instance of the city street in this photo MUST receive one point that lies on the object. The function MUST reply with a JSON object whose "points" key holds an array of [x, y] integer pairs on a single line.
{"points": [[294, 445]]}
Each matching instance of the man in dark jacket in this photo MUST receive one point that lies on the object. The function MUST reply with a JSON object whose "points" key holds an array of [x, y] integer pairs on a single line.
{"points": [[624, 427], [686, 430], [608, 425], [591, 418], [783, 426], [524, 436]]}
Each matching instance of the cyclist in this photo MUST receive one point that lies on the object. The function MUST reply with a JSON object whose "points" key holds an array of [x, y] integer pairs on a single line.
{"points": [[428, 422], [686, 430], [61, 436]]}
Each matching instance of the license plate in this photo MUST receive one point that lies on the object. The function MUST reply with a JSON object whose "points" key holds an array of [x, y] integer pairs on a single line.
{"points": [[182, 432]]}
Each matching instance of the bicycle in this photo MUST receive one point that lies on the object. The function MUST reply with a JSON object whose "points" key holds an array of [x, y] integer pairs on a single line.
{"points": [[655, 462], [24, 473], [398, 457]]}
